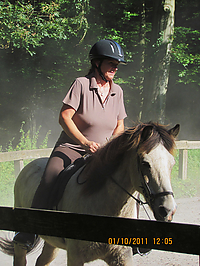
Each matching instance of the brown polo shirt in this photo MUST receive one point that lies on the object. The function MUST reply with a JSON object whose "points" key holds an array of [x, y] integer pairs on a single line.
{"points": [[95, 120]]}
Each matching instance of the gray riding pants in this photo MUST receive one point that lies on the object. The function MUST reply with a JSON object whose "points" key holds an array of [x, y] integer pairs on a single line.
{"points": [[60, 158]]}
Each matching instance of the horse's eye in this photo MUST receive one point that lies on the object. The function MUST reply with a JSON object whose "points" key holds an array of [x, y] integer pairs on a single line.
{"points": [[146, 164]]}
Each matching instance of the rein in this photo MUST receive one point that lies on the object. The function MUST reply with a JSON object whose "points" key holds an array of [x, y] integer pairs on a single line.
{"points": [[139, 201]]}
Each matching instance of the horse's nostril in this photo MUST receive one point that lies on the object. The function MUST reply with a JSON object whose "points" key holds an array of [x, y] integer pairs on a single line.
{"points": [[162, 211]]}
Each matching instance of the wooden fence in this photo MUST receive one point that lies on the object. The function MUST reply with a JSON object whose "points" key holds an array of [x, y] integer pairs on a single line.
{"points": [[18, 156], [183, 146], [176, 237]]}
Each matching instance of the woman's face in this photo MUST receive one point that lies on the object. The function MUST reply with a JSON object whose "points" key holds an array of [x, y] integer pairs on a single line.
{"points": [[109, 68]]}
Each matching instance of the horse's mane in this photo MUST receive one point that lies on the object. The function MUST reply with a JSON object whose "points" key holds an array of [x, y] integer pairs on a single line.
{"points": [[107, 159]]}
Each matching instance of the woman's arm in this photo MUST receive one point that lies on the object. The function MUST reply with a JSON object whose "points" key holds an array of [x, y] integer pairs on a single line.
{"points": [[68, 125], [119, 128]]}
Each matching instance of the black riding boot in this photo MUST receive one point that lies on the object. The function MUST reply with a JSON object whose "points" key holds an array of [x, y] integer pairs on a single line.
{"points": [[26, 240]]}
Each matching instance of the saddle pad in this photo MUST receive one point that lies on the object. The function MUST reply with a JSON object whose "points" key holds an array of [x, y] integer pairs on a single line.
{"points": [[63, 179]]}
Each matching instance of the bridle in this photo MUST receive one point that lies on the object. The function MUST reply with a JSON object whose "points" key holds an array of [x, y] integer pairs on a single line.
{"points": [[150, 197], [148, 194]]}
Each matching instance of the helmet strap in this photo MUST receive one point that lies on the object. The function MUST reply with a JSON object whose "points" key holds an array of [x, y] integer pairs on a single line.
{"points": [[100, 72]]}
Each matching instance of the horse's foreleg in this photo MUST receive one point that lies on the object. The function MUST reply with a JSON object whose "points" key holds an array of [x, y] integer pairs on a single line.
{"points": [[49, 253], [73, 260], [19, 256]]}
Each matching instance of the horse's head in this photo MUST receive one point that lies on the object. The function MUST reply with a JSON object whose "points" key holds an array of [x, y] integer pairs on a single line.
{"points": [[155, 165], [145, 151]]}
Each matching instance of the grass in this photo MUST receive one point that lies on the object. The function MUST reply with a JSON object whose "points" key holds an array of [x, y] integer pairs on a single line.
{"points": [[7, 180], [191, 186], [182, 188]]}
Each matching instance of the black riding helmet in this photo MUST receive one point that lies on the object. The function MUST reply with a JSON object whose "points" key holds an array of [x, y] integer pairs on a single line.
{"points": [[106, 49]]}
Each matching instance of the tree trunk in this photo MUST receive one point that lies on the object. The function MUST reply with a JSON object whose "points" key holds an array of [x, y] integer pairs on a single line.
{"points": [[142, 52], [158, 61]]}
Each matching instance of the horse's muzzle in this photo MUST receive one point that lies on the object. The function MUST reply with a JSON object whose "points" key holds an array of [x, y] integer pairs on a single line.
{"points": [[164, 214], [170, 215]]}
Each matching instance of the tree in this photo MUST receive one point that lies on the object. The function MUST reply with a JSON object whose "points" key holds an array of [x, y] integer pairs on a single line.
{"points": [[158, 61], [37, 42], [45, 45], [183, 95]]}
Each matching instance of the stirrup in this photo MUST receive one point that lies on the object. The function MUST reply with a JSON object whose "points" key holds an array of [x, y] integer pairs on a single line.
{"points": [[25, 240]]}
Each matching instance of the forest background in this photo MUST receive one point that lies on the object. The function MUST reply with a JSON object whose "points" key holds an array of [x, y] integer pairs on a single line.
{"points": [[44, 46]]}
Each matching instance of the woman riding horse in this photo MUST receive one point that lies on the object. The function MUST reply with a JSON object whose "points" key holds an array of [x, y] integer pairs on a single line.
{"points": [[138, 160], [93, 111]]}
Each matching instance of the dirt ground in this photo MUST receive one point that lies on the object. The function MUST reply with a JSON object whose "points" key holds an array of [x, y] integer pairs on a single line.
{"points": [[188, 211]]}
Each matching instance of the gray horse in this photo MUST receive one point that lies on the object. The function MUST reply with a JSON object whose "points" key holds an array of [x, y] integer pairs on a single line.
{"points": [[139, 160]]}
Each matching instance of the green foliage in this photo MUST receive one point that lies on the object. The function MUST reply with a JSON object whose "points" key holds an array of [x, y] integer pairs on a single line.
{"points": [[24, 25], [186, 53], [30, 143]]}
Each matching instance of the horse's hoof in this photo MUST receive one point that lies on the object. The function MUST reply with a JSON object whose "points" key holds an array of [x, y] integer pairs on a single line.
{"points": [[25, 240], [141, 251]]}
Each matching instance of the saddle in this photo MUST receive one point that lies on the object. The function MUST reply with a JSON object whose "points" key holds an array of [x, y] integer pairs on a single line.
{"points": [[63, 179]]}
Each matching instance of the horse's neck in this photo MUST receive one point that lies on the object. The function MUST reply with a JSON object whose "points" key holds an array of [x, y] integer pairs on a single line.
{"points": [[110, 200], [121, 185], [127, 172], [129, 210]]}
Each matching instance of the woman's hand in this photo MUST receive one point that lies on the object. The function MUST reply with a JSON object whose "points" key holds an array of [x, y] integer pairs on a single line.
{"points": [[91, 146]]}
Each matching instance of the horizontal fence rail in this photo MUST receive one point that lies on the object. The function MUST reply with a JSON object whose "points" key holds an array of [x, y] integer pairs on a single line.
{"points": [[183, 146], [187, 144], [24, 154], [18, 156], [176, 237]]}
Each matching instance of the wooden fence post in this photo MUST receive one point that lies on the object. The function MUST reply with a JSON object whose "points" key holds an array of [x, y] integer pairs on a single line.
{"points": [[183, 158], [18, 165]]}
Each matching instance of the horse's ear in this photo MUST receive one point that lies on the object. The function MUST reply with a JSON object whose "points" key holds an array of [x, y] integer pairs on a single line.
{"points": [[174, 131], [146, 133]]}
